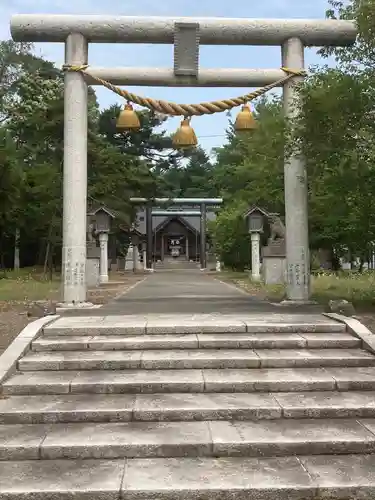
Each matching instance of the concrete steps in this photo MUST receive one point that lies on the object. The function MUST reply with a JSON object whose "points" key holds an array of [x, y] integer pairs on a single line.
{"points": [[197, 341], [165, 381], [179, 359], [201, 324], [281, 478], [201, 409], [262, 438], [70, 408]]}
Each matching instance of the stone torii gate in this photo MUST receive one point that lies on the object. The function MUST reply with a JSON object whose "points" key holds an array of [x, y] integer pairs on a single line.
{"points": [[76, 32]]}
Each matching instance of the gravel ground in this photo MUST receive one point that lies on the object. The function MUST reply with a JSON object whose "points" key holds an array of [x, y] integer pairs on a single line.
{"points": [[13, 315], [11, 323]]}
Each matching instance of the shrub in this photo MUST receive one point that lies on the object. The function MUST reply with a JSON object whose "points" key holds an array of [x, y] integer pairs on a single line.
{"points": [[231, 239]]}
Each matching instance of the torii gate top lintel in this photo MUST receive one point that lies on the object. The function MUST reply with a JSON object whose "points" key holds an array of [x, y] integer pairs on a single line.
{"points": [[212, 31]]}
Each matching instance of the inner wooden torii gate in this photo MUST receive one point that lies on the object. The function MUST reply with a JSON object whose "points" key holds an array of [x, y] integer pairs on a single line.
{"points": [[201, 203], [186, 34]]}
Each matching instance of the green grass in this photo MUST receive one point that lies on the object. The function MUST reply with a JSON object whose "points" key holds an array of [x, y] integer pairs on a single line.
{"points": [[27, 284], [358, 288], [30, 284], [242, 279]]}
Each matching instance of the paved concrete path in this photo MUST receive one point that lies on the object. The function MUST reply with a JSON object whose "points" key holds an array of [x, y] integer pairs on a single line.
{"points": [[188, 292]]}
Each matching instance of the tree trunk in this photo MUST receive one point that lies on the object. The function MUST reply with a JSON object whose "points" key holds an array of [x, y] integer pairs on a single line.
{"points": [[17, 237], [50, 262], [41, 253], [46, 258], [336, 265], [351, 260], [2, 260], [48, 254], [361, 264]]}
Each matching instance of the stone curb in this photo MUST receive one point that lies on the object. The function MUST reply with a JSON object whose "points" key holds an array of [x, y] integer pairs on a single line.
{"points": [[19, 346], [357, 328]]}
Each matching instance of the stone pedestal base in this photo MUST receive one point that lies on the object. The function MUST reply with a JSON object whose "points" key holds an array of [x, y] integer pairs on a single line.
{"points": [[129, 260], [274, 263], [137, 265], [92, 272], [274, 270], [144, 258], [92, 251]]}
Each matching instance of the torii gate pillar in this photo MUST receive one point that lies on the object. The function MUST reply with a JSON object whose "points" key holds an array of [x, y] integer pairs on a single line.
{"points": [[295, 192], [75, 175]]}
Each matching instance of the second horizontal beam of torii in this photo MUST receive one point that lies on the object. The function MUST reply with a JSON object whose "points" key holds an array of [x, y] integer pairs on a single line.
{"points": [[176, 213], [177, 201], [207, 77]]}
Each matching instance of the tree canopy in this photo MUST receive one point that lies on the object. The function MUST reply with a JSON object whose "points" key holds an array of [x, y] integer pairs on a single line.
{"points": [[334, 129]]}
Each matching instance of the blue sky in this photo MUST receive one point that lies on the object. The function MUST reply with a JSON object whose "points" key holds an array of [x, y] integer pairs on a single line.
{"points": [[162, 55]]}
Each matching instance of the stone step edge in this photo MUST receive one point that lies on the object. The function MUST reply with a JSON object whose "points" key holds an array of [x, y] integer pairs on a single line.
{"points": [[67, 408], [127, 407], [299, 477], [193, 439], [128, 329], [196, 341], [191, 381], [185, 359]]}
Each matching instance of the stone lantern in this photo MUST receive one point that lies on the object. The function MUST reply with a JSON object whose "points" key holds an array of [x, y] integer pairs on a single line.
{"points": [[102, 221], [255, 222], [132, 255], [144, 255], [135, 242]]}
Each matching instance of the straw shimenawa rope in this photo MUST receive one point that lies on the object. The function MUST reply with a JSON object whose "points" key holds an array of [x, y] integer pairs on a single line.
{"points": [[174, 109]]}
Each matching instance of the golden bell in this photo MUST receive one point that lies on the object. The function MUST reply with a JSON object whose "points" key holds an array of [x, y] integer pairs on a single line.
{"points": [[128, 119], [185, 136], [245, 120]]}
